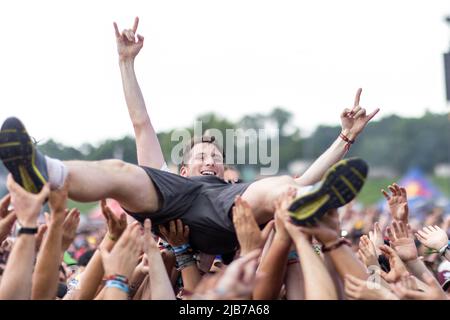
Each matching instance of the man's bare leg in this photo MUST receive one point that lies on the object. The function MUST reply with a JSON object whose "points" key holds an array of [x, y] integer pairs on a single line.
{"points": [[87, 181], [340, 185], [127, 183]]}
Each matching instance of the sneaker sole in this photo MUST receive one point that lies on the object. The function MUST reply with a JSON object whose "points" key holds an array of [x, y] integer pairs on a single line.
{"points": [[18, 154], [341, 184]]}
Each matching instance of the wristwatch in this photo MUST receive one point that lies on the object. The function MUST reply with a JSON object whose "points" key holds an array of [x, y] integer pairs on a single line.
{"points": [[25, 230]]}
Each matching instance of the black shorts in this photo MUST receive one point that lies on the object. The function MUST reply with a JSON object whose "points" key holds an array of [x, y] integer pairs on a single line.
{"points": [[203, 203]]}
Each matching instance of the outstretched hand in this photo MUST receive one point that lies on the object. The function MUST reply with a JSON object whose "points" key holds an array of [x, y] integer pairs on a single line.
{"points": [[7, 217], [249, 235], [116, 225], [398, 202], [127, 45], [355, 119]]}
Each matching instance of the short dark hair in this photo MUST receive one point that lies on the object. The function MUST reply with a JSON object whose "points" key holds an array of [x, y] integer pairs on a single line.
{"points": [[196, 140]]}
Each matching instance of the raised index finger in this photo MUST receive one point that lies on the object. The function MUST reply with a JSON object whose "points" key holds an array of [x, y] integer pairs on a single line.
{"points": [[358, 95], [136, 23]]}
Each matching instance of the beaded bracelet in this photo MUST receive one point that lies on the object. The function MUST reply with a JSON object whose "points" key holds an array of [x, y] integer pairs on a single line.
{"points": [[118, 285]]}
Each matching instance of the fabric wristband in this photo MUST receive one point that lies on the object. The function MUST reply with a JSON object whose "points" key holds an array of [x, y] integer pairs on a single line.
{"points": [[181, 249], [117, 277], [118, 285]]}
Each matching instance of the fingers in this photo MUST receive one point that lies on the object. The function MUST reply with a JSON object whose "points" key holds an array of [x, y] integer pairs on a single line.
{"points": [[4, 204], [140, 38], [172, 227], [186, 232], [116, 29], [148, 227], [164, 231], [346, 112], [386, 195], [136, 23], [357, 97], [265, 232], [373, 114]]}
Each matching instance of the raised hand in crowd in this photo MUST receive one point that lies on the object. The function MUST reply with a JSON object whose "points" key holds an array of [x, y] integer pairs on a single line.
{"points": [[17, 277], [161, 286], [178, 237], [318, 283], [398, 202], [7, 217], [368, 253], [376, 237], [397, 267], [129, 43], [357, 289], [121, 261], [274, 262], [434, 238], [249, 235], [70, 226], [45, 277], [406, 289], [91, 278]]}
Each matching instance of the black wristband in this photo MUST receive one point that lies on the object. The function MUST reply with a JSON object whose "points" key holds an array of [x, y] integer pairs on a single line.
{"points": [[27, 231]]}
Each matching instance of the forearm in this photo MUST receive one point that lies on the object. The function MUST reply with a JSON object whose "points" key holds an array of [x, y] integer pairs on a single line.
{"points": [[133, 95], [191, 277], [135, 282], [417, 268], [148, 148], [294, 282], [318, 282], [46, 274], [114, 294], [161, 288], [346, 262], [93, 274], [16, 279], [273, 266], [316, 171]]}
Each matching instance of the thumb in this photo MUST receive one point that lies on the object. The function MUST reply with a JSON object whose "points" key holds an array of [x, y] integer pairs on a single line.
{"points": [[10, 219], [265, 232], [44, 193]]}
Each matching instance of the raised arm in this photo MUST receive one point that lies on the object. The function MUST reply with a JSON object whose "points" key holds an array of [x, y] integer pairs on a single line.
{"points": [[16, 279], [178, 237], [161, 287], [353, 122], [45, 277], [274, 263], [317, 281], [148, 148]]}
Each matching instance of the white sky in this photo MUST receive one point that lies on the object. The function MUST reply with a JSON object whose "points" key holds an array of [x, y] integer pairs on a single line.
{"points": [[59, 71]]}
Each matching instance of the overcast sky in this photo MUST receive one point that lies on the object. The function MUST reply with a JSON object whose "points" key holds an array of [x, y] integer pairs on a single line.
{"points": [[59, 70]]}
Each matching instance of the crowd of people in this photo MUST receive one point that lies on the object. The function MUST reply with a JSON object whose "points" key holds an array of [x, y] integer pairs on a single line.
{"points": [[203, 233]]}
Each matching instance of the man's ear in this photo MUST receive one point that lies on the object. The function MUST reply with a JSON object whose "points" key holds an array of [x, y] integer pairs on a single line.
{"points": [[183, 171]]}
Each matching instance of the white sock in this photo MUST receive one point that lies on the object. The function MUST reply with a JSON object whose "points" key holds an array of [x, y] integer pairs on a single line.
{"points": [[57, 173]]}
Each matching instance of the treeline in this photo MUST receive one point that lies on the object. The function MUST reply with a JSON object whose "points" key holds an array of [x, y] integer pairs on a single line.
{"points": [[393, 142]]}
